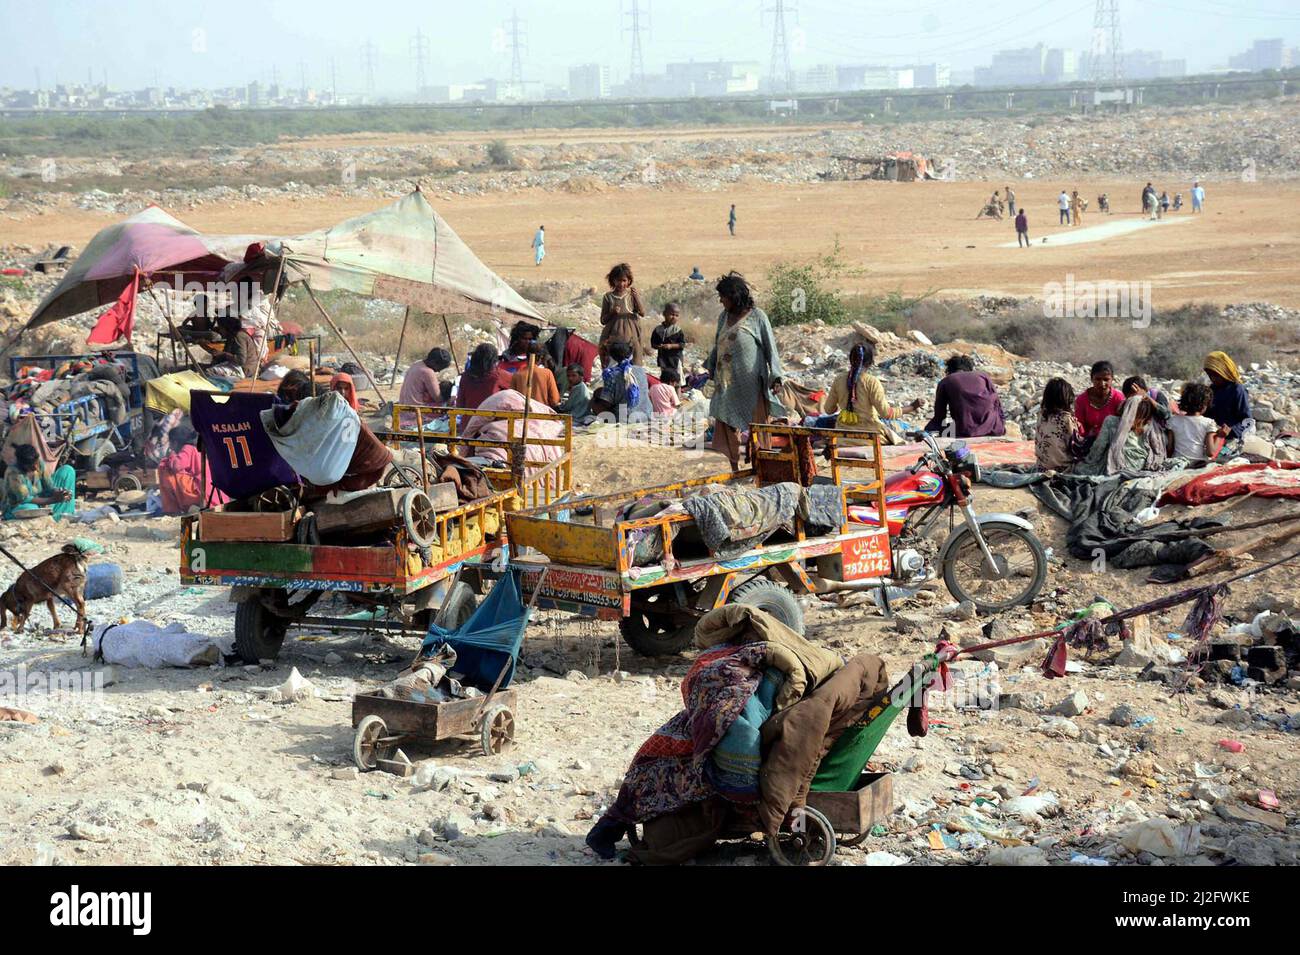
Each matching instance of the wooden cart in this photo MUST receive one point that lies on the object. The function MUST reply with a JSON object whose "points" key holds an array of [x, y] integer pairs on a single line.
{"points": [[382, 725], [830, 819], [276, 581], [591, 554]]}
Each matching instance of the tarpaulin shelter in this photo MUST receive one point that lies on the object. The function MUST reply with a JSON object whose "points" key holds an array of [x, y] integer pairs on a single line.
{"points": [[152, 241], [405, 253]]}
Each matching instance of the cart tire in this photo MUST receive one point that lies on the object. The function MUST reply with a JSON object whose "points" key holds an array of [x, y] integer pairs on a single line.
{"points": [[401, 475], [811, 840], [259, 634], [366, 748], [418, 516], [655, 635], [857, 840], [768, 595], [498, 732], [456, 607], [127, 482]]}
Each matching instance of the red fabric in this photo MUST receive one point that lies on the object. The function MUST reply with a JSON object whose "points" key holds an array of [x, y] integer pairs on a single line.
{"points": [[579, 351], [473, 391], [116, 323], [1091, 419], [342, 383], [1273, 479]]}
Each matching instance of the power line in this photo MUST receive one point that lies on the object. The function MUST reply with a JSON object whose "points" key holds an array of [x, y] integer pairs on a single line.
{"points": [[1105, 33], [517, 43], [420, 51], [782, 77], [636, 73], [368, 64]]}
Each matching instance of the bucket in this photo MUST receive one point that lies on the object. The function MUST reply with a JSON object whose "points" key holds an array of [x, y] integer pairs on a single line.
{"points": [[103, 580]]}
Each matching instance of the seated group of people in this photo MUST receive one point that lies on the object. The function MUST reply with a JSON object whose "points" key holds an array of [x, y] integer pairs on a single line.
{"points": [[1106, 430]]}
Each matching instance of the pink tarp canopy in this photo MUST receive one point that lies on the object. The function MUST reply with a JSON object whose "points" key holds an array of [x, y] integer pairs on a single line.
{"points": [[153, 242]]}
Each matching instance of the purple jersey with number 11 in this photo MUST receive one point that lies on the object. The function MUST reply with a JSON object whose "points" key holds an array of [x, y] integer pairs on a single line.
{"points": [[241, 458]]}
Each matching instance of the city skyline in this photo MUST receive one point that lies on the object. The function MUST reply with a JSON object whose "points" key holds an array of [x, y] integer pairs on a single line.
{"points": [[297, 45]]}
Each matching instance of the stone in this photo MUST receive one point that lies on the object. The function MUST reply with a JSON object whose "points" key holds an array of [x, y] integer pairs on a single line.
{"points": [[1073, 705], [965, 610], [1060, 728], [1237, 718], [90, 832], [1016, 856], [333, 658], [344, 772], [1122, 715], [453, 826], [1249, 850], [434, 858], [1033, 702], [1240, 812], [1221, 698], [576, 676]]}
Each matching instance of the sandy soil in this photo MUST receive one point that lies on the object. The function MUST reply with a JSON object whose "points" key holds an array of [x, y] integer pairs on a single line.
{"points": [[193, 766], [913, 237]]}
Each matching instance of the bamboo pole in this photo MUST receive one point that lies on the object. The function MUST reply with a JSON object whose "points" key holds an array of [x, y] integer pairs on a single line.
{"points": [[346, 344], [450, 344], [401, 339], [176, 335]]}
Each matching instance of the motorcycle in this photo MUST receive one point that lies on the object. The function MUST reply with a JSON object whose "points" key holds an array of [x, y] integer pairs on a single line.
{"points": [[993, 560]]}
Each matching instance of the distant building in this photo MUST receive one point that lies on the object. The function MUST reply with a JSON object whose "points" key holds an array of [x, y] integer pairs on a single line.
{"points": [[931, 75], [1172, 69], [1262, 55], [589, 81], [1016, 67], [1142, 64], [716, 78], [1061, 66], [817, 79], [253, 94]]}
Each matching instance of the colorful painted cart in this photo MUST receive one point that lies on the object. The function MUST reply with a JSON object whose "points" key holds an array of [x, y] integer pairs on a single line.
{"points": [[592, 559], [436, 561]]}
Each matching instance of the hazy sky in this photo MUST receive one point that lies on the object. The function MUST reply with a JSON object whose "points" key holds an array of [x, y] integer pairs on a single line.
{"points": [[205, 44]]}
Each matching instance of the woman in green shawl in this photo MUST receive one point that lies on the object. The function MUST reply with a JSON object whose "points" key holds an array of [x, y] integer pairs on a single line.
{"points": [[27, 487], [745, 368]]}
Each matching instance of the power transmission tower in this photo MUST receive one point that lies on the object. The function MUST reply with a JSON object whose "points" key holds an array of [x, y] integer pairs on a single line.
{"points": [[638, 17], [1105, 33], [368, 64], [517, 41], [334, 83], [782, 77], [419, 50]]}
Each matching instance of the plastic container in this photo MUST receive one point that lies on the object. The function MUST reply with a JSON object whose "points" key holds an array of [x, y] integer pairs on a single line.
{"points": [[103, 580]]}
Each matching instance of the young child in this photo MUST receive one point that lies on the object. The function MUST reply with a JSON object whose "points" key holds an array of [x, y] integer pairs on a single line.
{"points": [[1195, 435], [577, 402], [1057, 437], [663, 396], [668, 340]]}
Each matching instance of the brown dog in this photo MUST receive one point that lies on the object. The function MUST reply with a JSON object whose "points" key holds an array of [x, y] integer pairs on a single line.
{"points": [[64, 573]]}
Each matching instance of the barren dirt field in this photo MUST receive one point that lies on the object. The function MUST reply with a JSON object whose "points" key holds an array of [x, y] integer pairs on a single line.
{"points": [[911, 237]]}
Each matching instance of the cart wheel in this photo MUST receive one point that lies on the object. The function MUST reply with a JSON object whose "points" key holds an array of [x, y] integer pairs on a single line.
{"points": [[275, 500], [498, 730], [857, 840], [456, 607], [366, 748], [259, 634], [401, 475], [809, 841], [127, 482], [418, 515]]}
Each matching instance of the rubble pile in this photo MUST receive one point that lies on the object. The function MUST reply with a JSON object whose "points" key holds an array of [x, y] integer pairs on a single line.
{"points": [[1186, 143]]}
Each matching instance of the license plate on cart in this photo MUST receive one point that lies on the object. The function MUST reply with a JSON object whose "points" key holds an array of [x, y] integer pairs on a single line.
{"points": [[867, 556]]}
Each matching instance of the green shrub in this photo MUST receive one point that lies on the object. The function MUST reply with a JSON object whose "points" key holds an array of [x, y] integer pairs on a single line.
{"points": [[807, 292], [498, 153]]}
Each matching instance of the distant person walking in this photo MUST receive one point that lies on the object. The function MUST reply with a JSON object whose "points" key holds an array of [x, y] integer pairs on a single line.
{"points": [[1164, 204], [1198, 197], [1063, 206], [1149, 201], [731, 219], [1011, 201], [1076, 208], [539, 245], [1022, 229]]}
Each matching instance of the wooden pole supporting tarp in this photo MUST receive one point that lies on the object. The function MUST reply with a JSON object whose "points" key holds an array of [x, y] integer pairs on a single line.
{"points": [[346, 344]]}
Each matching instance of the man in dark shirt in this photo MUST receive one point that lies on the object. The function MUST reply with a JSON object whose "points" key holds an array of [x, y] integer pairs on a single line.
{"points": [[971, 398], [668, 340]]}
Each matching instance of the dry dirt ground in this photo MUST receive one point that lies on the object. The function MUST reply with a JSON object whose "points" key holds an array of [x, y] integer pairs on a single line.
{"points": [[913, 237], [192, 766]]}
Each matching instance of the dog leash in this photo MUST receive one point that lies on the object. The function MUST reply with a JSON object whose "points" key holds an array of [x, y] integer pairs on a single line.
{"points": [[87, 624]]}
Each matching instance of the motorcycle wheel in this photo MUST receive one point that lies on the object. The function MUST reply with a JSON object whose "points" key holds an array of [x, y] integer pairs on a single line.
{"points": [[1020, 572]]}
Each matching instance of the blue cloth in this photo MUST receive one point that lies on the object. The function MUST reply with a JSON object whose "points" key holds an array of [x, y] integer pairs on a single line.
{"points": [[1231, 406], [734, 763], [488, 639], [318, 439]]}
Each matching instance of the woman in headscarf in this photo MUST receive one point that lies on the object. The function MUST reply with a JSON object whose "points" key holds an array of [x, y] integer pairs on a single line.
{"points": [[342, 383], [27, 487], [859, 397], [1129, 441], [745, 367], [621, 312], [480, 380], [1230, 407], [181, 477]]}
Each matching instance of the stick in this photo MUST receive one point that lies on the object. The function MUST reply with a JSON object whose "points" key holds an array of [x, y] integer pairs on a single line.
{"points": [[1219, 560], [450, 344], [346, 344], [176, 335], [400, 339]]}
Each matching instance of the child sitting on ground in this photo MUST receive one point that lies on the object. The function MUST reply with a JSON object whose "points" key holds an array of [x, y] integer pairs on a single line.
{"points": [[1195, 435], [578, 401], [663, 396]]}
